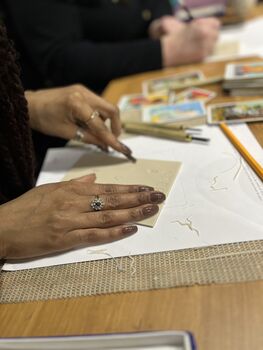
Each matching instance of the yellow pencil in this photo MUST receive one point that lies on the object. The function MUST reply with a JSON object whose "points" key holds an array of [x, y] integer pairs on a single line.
{"points": [[242, 150]]}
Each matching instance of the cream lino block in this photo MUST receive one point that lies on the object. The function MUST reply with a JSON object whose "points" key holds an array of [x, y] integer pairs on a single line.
{"points": [[112, 170]]}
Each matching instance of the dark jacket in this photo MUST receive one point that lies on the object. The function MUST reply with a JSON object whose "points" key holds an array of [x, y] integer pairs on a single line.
{"points": [[86, 41]]}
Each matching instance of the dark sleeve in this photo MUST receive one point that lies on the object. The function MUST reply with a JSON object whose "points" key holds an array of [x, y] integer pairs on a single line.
{"points": [[97, 64], [51, 33]]}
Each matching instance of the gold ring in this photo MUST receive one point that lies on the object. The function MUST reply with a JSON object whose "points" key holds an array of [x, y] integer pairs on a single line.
{"points": [[93, 115]]}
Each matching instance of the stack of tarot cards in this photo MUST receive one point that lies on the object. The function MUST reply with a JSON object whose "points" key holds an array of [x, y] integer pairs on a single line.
{"points": [[244, 79], [168, 99]]}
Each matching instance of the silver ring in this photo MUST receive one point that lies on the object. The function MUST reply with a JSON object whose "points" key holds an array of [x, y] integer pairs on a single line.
{"points": [[97, 204], [79, 136]]}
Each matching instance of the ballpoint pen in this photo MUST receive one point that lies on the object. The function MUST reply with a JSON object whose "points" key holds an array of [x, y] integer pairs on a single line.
{"points": [[186, 9]]}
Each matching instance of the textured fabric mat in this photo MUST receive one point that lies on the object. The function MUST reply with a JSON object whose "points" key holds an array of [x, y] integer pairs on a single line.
{"points": [[228, 263]]}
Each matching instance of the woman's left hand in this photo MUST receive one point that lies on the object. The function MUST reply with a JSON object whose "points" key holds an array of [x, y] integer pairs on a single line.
{"points": [[64, 112]]}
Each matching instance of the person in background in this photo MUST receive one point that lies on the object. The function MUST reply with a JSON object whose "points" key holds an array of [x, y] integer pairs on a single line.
{"points": [[59, 216], [94, 41]]}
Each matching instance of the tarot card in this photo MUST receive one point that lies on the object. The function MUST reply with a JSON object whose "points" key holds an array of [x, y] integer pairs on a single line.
{"points": [[165, 84], [173, 113], [253, 70], [235, 112], [136, 101], [192, 94]]}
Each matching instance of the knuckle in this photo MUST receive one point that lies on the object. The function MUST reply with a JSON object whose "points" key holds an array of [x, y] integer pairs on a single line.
{"points": [[77, 88], [110, 189], [56, 223], [105, 219], [92, 237], [114, 233], [143, 197], [113, 111], [135, 214], [113, 202]]}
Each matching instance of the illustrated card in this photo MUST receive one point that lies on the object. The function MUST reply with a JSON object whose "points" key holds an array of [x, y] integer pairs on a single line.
{"points": [[252, 70], [173, 113], [235, 112], [192, 94], [114, 170], [165, 84], [136, 101]]}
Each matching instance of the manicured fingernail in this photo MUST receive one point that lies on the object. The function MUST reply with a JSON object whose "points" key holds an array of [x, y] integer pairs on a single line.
{"points": [[157, 197], [104, 148], [145, 188], [125, 149], [129, 230], [150, 210]]}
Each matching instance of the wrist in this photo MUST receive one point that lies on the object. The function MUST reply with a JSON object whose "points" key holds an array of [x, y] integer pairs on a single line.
{"points": [[168, 52], [32, 108]]}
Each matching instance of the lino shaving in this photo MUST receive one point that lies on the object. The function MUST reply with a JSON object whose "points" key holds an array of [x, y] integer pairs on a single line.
{"points": [[189, 224], [105, 252]]}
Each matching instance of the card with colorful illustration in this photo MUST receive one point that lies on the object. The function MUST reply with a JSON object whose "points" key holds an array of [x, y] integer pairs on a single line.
{"points": [[235, 112], [253, 70], [192, 94], [173, 82], [173, 113], [136, 101]]}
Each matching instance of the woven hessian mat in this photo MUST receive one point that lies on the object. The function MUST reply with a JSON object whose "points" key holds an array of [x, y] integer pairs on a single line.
{"points": [[228, 263]]}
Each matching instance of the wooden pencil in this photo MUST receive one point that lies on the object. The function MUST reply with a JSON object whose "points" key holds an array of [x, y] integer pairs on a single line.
{"points": [[258, 169]]}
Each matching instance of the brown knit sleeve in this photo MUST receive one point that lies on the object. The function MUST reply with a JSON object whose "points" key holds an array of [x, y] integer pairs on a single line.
{"points": [[16, 150]]}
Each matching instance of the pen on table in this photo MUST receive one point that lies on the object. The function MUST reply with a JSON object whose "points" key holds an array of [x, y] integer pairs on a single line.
{"points": [[258, 169]]}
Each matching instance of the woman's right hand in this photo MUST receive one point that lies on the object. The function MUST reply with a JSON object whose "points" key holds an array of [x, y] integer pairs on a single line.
{"points": [[190, 42], [58, 217]]}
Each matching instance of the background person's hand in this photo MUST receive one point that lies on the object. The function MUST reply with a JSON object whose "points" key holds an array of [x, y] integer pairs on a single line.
{"points": [[58, 217], [163, 26], [192, 42], [61, 112]]}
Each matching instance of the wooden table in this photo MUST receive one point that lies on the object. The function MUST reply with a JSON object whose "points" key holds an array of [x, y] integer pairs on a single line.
{"points": [[222, 317]]}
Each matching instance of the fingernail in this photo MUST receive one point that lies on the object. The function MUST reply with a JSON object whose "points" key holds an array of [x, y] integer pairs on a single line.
{"points": [[150, 210], [129, 230], [125, 149], [104, 148], [145, 188], [157, 197]]}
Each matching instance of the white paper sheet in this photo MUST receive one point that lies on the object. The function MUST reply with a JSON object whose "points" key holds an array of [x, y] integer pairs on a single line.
{"points": [[247, 34], [216, 199]]}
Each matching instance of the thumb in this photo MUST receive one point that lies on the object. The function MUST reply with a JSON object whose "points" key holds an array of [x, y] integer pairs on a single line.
{"points": [[91, 178]]}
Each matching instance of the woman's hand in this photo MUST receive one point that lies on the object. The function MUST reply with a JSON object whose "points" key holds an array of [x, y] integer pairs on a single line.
{"points": [[58, 217], [61, 112], [163, 26], [189, 42]]}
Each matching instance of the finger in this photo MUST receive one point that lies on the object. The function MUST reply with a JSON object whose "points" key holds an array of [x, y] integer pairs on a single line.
{"points": [[81, 114], [114, 115], [99, 129], [119, 201], [86, 137], [82, 189], [208, 22], [90, 237], [91, 178], [107, 111], [110, 218]]}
